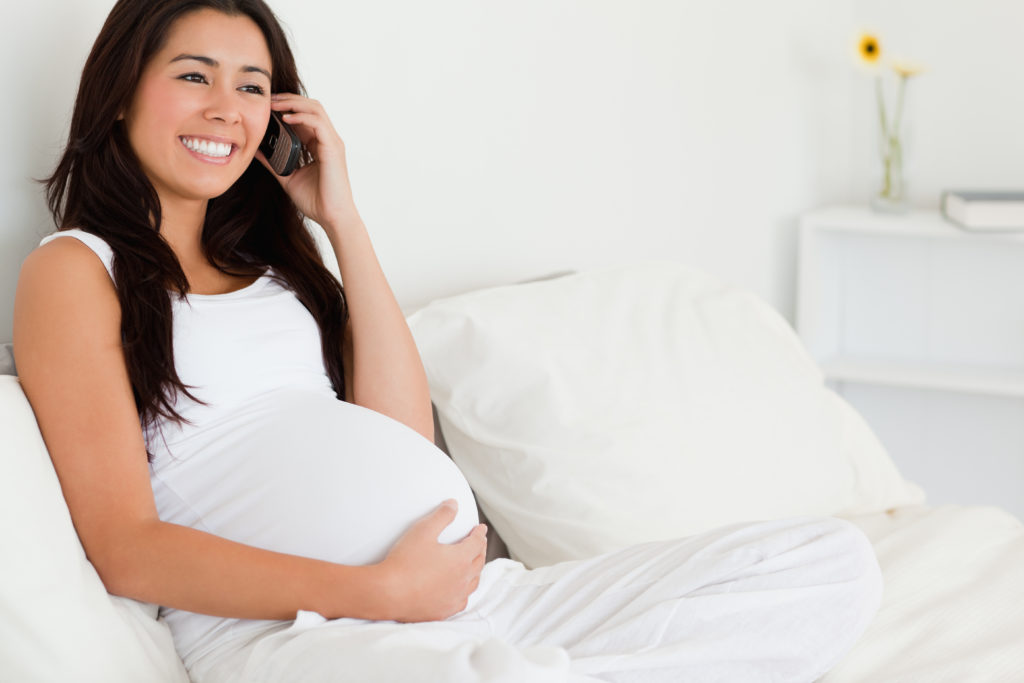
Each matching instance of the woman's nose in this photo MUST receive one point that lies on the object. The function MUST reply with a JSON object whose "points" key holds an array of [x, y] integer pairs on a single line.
{"points": [[222, 106]]}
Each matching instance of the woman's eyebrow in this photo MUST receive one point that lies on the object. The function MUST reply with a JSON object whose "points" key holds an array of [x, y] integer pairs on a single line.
{"points": [[209, 61]]}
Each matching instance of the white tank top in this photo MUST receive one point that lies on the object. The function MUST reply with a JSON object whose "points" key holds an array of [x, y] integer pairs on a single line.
{"points": [[274, 459]]}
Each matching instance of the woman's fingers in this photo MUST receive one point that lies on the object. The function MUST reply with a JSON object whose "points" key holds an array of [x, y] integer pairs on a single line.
{"points": [[476, 542], [295, 105], [439, 518], [286, 101], [308, 115], [315, 122], [286, 96]]}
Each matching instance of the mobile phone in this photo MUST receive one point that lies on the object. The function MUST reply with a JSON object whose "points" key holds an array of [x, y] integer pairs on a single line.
{"points": [[281, 145]]}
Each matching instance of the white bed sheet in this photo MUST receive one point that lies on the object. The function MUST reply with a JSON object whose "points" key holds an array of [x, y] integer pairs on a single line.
{"points": [[953, 603]]}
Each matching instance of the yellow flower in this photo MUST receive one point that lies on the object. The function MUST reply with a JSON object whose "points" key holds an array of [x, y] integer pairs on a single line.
{"points": [[868, 49], [905, 68]]}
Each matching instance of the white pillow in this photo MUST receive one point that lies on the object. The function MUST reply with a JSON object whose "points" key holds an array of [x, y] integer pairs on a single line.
{"points": [[57, 622], [639, 403]]}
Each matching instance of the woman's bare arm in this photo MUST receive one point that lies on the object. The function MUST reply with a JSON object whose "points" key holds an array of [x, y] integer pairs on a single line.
{"points": [[387, 373], [68, 350]]}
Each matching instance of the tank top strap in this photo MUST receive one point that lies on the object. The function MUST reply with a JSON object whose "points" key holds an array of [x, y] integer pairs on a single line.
{"points": [[98, 245]]}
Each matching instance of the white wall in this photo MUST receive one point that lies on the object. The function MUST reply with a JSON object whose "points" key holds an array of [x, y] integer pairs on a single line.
{"points": [[492, 142], [966, 111]]}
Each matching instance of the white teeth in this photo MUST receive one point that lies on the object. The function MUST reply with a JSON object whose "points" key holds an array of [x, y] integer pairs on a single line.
{"points": [[207, 147]]}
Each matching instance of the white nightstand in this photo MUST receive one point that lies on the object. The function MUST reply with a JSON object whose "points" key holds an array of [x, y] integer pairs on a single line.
{"points": [[920, 326]]}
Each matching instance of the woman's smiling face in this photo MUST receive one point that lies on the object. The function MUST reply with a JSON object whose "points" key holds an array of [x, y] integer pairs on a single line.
{"points": [[201, 106]]}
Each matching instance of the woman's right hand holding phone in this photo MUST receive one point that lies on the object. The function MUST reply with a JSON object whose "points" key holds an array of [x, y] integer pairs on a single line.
{"points": [[430, 581]]}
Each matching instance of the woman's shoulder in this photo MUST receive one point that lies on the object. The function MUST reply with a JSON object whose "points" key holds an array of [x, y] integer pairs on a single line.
{"points": [[65, 271], [63, 257], [78, 249]]}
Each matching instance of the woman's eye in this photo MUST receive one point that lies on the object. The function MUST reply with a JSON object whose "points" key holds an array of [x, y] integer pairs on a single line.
{"points": [[196, 77]]}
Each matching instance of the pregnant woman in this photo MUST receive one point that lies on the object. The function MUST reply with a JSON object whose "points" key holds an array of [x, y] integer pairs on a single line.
{"points": [[249, 446]]}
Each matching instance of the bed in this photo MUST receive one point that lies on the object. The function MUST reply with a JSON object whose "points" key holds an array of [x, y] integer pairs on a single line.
{"points": [[591, 411]]}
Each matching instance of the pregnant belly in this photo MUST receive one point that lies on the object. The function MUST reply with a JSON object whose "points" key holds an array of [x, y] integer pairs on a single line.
{"points": [[306, 474]]}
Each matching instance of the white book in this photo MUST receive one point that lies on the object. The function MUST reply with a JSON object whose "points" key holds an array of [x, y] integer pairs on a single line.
{"points": [[984, 210]]}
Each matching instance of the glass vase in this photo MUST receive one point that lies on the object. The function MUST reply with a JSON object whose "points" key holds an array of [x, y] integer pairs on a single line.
{"points": [[892, 192], [891, 196]]}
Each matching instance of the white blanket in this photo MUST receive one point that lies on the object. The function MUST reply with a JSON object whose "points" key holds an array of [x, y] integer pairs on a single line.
{"points": [[953, 602], [778, 601]]}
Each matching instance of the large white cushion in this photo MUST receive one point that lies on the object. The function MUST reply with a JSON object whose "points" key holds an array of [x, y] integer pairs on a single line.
{"points": [[57, 622], [639, 403]]}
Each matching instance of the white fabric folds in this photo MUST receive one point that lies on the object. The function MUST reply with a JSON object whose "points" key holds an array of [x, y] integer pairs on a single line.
{"points": [[779, 601]]}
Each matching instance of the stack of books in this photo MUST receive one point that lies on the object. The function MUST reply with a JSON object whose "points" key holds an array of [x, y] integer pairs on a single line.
{"points": [[984, 210]]}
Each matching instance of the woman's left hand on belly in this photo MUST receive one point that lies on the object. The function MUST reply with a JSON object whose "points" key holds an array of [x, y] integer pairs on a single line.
{"points": [[431, 581]]}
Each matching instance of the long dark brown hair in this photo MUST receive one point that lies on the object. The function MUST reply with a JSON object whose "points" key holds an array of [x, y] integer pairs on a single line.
{"points": [[100, 187]]}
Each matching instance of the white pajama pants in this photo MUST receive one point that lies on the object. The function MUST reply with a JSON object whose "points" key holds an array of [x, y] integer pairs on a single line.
{"points": [[783, 600]]}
